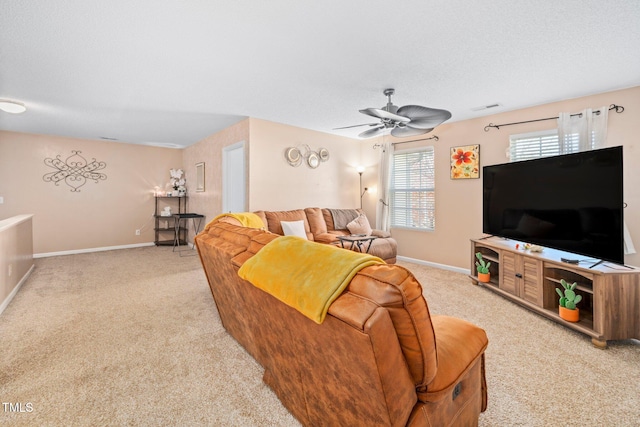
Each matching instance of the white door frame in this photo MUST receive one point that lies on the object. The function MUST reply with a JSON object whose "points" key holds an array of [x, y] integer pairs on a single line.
{"points": [[234, 178]]}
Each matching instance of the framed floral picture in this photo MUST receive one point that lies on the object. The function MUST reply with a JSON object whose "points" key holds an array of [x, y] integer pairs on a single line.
{"points": [[465, 162]]}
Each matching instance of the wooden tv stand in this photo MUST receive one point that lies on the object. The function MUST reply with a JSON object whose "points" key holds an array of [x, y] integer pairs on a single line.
{"points": [[610, 306]]}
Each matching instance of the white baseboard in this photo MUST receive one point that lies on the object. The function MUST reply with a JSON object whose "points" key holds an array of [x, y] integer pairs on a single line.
{"points": [[13, 293], [435, 264], [82, 251]]}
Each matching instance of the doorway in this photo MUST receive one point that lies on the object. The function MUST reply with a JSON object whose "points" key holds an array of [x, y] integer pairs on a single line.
{"points": [[233, 178]]}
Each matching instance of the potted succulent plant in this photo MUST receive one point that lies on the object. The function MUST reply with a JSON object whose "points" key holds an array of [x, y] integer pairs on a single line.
{"points": [[568, 300], [483, 269]]}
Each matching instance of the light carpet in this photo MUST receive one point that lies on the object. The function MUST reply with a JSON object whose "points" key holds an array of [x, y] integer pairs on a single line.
{"points": [[132, 337]]}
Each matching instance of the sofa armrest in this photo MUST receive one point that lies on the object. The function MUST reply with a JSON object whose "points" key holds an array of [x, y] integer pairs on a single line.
{"points": [[380, 233], [460, 344]]}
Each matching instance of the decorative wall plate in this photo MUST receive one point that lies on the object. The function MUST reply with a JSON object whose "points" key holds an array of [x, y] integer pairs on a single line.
{"points": [[313, 160], [324, 154], [293, 156]]}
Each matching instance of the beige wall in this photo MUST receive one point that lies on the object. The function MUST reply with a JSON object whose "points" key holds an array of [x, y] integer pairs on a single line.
{"points": [[275, 185], [102, 214], [459, 202], [209, 151], [107, 213], [272, 184]]}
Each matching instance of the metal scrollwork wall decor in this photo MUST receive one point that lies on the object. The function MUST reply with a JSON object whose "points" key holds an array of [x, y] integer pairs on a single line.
{"points": [[296, 155], [74, 171]]}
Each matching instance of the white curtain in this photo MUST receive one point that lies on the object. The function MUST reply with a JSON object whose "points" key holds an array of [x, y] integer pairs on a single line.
{"points": [[586, 130], [628, 243], [383, 219]]}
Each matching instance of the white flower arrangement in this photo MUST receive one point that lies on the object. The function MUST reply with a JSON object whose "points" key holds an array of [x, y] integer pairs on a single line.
{"points": [[177, 181]]}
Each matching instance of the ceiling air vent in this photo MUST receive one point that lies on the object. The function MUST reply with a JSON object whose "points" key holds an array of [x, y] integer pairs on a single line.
{"points": [[486, 107]]}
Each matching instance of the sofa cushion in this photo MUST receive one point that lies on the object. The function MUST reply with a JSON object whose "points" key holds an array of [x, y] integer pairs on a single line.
{"points": [[317, 222], [341, 217], [380, 233], [329, 220], [385, 249], [360, 225], [326, 238], [294, 228], [244, 219], [275, 217], [263, 217]]}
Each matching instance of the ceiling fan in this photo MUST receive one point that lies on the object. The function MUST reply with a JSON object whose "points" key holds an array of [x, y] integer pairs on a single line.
{"points": [[409, 120]]}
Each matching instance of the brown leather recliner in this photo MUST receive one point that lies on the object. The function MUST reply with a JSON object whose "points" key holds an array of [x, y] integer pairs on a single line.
{"points": [[379, 357]]}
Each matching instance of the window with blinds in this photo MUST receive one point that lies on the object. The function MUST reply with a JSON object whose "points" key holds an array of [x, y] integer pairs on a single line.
{"points": [[412, 189], [533, 145]]}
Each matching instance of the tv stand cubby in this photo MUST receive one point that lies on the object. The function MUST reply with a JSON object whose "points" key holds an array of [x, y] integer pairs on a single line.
{"points": [[610, 306]]}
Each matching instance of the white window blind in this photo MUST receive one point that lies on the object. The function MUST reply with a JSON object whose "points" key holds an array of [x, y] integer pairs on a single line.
{"points": [[412, 189], [533, 145]]}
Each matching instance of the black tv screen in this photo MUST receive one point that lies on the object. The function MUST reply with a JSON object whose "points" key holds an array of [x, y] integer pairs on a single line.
{"points": [[571, 202]]}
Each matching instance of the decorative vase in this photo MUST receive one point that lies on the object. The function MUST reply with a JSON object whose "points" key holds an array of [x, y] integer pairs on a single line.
{"points": [[569, 315], [484, 277]]}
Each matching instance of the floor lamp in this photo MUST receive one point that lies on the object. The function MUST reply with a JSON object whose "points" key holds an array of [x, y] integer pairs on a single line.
{"points": [[360, 170]]}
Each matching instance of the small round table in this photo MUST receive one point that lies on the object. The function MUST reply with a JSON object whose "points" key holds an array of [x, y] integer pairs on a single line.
{"points": [[357, 241]]}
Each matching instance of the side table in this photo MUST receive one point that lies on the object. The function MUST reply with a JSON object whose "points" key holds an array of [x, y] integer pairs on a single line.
{"points": [[196, 220], [357, 241]]}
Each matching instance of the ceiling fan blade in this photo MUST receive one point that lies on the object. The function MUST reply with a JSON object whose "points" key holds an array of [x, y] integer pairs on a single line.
{"points": [[355, 126], [424, 123], [383, 114], [404, 131], [371, 132], [424, 117]]}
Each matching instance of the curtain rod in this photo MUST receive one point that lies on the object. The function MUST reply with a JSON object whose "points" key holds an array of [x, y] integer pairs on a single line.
{"points": [[434, 137], [618, 108]]}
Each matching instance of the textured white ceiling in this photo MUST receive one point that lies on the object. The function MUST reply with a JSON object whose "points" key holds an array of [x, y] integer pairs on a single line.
{"points": [[173, 72]]}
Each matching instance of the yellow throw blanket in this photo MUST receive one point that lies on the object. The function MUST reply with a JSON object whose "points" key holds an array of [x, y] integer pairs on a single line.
{"points": [[305, 275], [247, 219]]}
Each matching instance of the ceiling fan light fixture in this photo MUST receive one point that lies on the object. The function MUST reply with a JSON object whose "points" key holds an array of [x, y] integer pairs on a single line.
{"points": [[409, 120], [12, 107]]}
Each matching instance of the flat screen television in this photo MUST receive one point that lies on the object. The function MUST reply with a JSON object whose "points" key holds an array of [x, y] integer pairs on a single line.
{"points": [[571, 202]]}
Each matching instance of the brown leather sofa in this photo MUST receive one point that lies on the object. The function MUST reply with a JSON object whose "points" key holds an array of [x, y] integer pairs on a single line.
{"points": [[320, 227], [378, 359]]}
